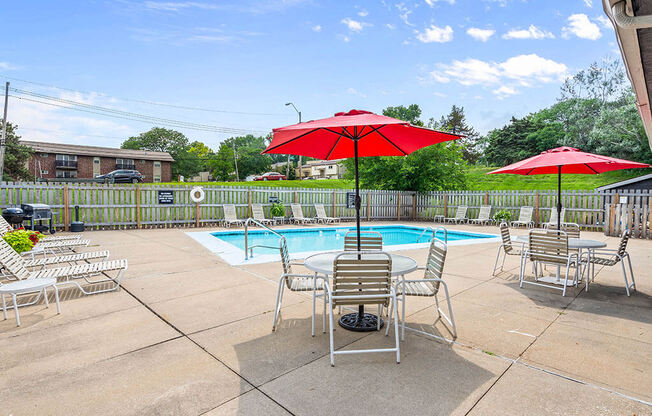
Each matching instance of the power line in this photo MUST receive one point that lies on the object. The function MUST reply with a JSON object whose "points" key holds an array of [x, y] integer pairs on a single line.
{"points": [[135, 100]]}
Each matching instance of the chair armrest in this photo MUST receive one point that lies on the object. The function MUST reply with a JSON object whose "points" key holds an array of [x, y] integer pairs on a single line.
{"points": [[308, 276]]}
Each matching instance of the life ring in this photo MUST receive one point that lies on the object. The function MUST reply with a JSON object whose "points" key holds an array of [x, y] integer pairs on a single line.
{"points": [[197, 194]]}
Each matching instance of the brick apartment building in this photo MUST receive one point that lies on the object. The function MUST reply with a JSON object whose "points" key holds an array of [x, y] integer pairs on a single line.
{"points": [[58, 160]]}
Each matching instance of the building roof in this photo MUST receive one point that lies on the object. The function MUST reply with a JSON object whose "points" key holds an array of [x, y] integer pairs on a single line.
{"points": [[75, 149], [322, 162], [624, 183]]}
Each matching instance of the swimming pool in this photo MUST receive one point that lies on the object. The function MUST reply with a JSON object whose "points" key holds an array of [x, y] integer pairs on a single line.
{"points": [[302, 242]]}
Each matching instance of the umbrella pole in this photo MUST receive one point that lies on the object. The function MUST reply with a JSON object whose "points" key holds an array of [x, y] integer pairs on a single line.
{"points": [[559, 198], [357, 211]]}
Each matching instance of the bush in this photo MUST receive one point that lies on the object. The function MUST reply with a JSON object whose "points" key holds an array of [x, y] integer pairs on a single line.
{"points": [[277, 210], [503, 216], [22, 240]]}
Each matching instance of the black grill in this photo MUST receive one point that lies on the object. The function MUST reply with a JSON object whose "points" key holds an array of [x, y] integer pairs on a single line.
{"points": [[38, 212]]}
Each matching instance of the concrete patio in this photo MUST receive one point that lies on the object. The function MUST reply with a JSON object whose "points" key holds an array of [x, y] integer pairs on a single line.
{"points": [[189, 334]]}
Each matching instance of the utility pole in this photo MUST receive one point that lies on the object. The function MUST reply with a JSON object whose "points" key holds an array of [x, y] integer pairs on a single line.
{"points": [[288, 165], [235, 160], [3, 139]]}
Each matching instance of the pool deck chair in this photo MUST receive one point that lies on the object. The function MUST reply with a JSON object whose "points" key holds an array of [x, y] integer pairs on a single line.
{"points": [[549, 247], [611, 257], [297, 283], [362, 277], [259, 214], [552, 221], [297, 215], [56, 248], [230, 216], [484, 216], [524, 217], [428, 286], [460, 215], [506, 248], [322, 217], [369, 241], [62, 260]]}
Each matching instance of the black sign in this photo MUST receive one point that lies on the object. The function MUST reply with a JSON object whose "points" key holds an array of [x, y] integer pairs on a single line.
{"points": [[165, 197], [350, 199], [273, 200]]}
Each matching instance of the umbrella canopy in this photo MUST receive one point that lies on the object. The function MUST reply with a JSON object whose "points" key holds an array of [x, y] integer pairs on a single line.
{"points": [[567, 160], [356, 133]]}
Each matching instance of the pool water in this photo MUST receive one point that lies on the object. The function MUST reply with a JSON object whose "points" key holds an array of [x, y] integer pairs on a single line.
{"points": [[332, 238]]}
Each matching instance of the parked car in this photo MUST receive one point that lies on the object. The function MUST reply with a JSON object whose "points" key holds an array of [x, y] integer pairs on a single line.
{"points": [[271, 176], [121, 176]]}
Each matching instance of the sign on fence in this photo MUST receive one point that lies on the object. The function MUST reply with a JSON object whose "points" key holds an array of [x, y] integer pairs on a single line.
{"points": [[350, 199], [165, 197]]}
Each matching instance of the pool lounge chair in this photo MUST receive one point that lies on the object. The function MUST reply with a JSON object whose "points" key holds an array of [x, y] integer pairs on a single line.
{"points": [[552, 221], [297, 215], [322, 217], [524, 217], [230, 216], [60, 247], [460, 215], [259, 214], [484, 216]]}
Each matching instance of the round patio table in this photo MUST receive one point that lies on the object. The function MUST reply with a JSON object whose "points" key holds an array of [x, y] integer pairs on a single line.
{"points": [[323, 264]]}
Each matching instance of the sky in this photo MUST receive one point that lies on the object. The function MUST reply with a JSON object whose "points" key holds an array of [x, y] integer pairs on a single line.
{"points": [[227, 68]]}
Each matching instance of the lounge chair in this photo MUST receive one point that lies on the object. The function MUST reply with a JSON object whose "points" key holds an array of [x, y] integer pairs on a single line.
{"points": [[259, 214], [506, 248], [552, 221], [296, 283], [428, 286], [484, 216], [5, 227], [525, 217], [460, 215], [322, 217], [297, 215], [369, 241], [14, 266], [230, 216], [362, 277], [611, 257]]}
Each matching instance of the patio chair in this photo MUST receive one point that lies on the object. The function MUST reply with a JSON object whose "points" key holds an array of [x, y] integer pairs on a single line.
{"points": [[525, 217], [611, 257], [428, 286], [552, 221], [5, 227], [572, 229], [460, 215], [297, 283], [484, 216], [60, 261], [230, 216], [506, 248], [369, 240], [362, 277], [259, 214], [14, 266], [549, 247], [322, 217], [297, 215]]}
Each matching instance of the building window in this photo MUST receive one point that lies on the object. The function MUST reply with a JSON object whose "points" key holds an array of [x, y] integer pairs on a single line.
{"points": [[157, 164], [96, 160], [66, 161], [44, 155], [157, 178], [44, 172], [125, 164], [66, 173]]}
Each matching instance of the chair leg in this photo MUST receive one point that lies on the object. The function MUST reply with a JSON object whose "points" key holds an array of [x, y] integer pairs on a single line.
{"points": [[403, 317], [45, 296], [330, 324], [279, 298], [449, 318], [520, 278], [389, 318], [398, 344], [314, 304], [323, 316], [379, 317], [622, 264], [631, 271], [496, 262]]}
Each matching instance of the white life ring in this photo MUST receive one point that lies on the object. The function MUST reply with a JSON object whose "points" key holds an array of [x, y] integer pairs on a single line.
{"points": [[197, 194]]}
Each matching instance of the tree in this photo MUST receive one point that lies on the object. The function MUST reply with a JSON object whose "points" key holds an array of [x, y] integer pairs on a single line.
{"points": [[16, 157], [455, 122], [250, 160], [411, 113], [159, 139], [201, 155]]}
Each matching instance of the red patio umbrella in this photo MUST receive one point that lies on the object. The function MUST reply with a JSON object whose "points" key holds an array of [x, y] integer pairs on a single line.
{"points": [[356, 133], [567, 160]]}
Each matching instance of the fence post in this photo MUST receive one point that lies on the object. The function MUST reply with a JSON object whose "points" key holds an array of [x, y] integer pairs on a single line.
{"points": [[249, 203], [196, 214], [66, 208], [296, 198], [138, 225], [398, 207], [368, 206], [445, 206], [536, 209], [333, 212], [486, 198], [414, 206]]}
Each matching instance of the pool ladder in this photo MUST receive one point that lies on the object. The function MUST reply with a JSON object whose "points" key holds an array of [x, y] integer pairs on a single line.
{"points": [[249, 251], [434, 232]]}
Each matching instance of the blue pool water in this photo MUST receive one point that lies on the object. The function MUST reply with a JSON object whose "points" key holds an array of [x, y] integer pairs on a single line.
{"points": [[332, 238]]}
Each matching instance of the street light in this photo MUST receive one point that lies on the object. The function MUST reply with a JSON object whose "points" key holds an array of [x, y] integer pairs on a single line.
{"points": [[287, 170]]}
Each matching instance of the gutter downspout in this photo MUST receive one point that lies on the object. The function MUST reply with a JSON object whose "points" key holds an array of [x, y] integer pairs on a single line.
{"points": [[625, 21]]}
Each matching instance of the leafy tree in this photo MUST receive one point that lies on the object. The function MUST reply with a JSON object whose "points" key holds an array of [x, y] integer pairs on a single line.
{"points": [[201, 155], [16, 157], [455, 122], [411, 113], [250, 160], [159, 139]]}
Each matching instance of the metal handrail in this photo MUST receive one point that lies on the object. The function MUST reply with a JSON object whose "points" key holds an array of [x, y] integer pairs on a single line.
{"points": [[434, 233], [260, 224]]}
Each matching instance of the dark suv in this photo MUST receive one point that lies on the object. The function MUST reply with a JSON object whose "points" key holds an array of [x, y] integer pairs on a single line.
{"points": [[121, 176]]}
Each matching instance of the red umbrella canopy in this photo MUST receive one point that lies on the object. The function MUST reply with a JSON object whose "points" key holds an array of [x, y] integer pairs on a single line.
{"points": [[333, 137], [571, 160]]}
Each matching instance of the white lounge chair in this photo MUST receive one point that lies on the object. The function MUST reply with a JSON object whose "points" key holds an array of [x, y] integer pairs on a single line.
{"points": [[524, 217], [460, 215], [297, 215], [230, 216], [259, 214], [484, 216], [322, 217], [552, 221]]}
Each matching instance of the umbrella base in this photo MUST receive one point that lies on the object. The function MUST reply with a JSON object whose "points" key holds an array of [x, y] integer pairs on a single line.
{"points": [[367, 323]]}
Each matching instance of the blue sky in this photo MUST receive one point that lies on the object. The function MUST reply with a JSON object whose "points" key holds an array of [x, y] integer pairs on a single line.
{"points": [[247, 58]]}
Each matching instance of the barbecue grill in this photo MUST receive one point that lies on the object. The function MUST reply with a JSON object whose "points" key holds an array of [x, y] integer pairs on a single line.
{"points": [[13, 215], [38, 213]]}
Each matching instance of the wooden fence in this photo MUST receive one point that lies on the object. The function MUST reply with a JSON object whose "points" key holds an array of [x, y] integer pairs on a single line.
{"points": [[105, 206]]}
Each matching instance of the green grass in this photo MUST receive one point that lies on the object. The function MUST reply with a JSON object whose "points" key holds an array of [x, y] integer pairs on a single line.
{"points": [[321, 184]]}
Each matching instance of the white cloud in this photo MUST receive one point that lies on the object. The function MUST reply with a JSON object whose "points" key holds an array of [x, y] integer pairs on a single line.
{"points": [[354, 25], [440, 78], [344, 38], [504, 91], [468, 72], [404, 13], [533, 67], [532, 32], [353, 91], [580, 26], [480, 34], [171, 6], [363, 13], [589, 3], [431, 3], [604, 22], [390, 26], [6, 66], [436, 34], [439, 94], [316, 28]]}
